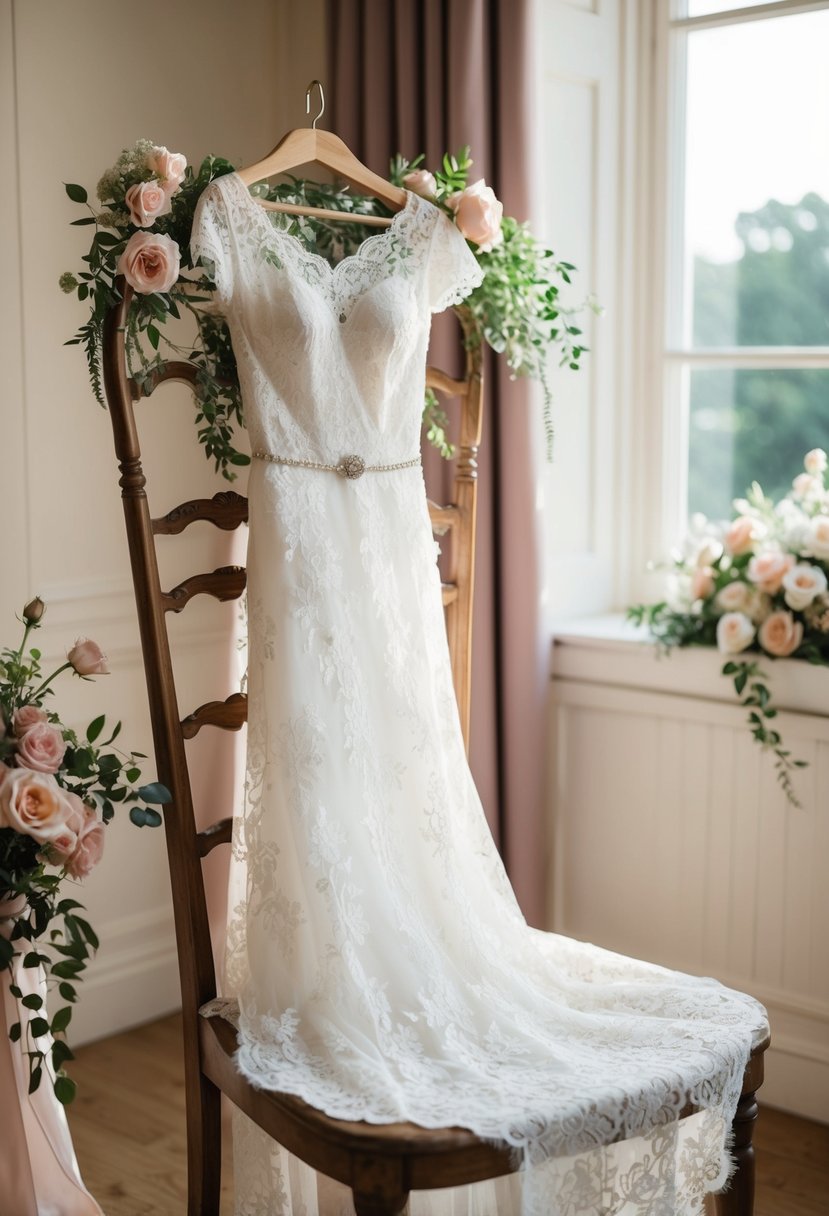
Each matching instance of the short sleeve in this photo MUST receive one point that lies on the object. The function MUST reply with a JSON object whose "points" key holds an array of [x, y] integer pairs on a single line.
{"points": [[210, 242], [453, 270]]}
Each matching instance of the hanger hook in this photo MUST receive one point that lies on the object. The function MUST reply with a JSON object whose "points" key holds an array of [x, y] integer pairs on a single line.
{"points": [[308, 102]]}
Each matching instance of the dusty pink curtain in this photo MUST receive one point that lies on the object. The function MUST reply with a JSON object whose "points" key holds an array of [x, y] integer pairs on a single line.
{"points": [[430, 76]]}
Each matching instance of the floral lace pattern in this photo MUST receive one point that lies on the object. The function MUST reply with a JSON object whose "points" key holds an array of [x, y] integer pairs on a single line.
{"points": [[379, 962]]}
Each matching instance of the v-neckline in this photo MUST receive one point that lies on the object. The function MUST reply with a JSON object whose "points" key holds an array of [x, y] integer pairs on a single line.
{"points": [[310, 255]]}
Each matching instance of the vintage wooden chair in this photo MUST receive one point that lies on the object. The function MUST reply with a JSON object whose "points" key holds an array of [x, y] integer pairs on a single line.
{"points": [[381, 1164]]}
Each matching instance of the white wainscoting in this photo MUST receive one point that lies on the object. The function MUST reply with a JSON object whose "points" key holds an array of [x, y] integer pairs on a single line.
{"points": [[672, 841]]}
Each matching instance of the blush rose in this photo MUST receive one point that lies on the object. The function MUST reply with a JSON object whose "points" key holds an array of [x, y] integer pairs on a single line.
{"points": [[147, 201], [41, 748], [150, 262], [767, 570], [26, 717], [422, 182], [169, 166], [87, 658], [780, 635], [34, 804], [478, 215]]}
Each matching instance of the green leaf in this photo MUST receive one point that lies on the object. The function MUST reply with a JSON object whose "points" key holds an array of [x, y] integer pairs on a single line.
{"points": [[65, 1090], [76, 193], [15, 1030], [38, 1027], [32, 1001], [61, 1019], [67, 992], [740, 680], [34, 1079], [88, 932], [61, 1052], [155, 792], [95, 727]]}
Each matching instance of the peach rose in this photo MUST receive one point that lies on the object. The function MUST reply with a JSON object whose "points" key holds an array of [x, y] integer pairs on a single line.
{"points": [[65, 842], [150, 262], [742, 535], [26, 717], [802, 583], [767, 570], [817, 537], [702, 583], [734, 632], [88, 659], [814, 462], [41, 748], [780, 635], [147, 201], [422, 182], [478, 215], [169, 166], [733, 597], [90, 847], [34, 804]]}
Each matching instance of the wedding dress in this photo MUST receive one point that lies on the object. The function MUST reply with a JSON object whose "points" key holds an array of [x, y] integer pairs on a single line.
{"points": [[381, 965]]}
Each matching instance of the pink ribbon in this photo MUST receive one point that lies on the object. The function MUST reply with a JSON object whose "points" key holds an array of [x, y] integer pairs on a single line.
{"points": [[39, 1173]]}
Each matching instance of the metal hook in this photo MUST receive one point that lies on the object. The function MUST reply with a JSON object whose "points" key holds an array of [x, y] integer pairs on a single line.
{"points": [[308, 102]]}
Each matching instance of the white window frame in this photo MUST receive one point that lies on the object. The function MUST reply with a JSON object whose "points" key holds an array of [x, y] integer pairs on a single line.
{"points": [[660, 404]]}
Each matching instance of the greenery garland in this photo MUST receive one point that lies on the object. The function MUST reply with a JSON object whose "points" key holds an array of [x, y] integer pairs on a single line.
{"points": [[517, 309]]}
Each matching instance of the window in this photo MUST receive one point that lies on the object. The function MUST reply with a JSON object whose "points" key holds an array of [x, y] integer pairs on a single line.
{"points": [[745, 355]]}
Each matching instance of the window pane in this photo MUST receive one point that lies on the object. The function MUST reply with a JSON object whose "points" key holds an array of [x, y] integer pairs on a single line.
{"points": [[757, 184], [748, 425], [704, 8]]}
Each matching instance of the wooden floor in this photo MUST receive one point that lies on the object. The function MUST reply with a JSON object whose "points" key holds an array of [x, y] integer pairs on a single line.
{"points": [[128, 1127]]}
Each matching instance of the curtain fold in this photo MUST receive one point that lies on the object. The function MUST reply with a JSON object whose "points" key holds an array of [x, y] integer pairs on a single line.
{"points": [[430, 76]]}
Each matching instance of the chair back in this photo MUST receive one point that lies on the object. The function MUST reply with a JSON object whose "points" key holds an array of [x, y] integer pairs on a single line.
{"points": [[186, 846]]}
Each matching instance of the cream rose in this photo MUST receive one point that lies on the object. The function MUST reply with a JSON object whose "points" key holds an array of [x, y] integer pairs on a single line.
{"points": [[767, 570], [147, 201], [422, 182], [150, 262], [780, 635], [734, 632], [702, 582], [41, 748], [88, 659], [169, 166], [733, 597], [34, 804], [814, 462], [742, 535], [26, 717], [801, 584], [817, 537], [478, 215]]}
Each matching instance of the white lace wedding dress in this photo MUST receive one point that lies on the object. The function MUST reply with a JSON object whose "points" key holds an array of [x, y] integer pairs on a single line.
{"points": [[382, 967]]}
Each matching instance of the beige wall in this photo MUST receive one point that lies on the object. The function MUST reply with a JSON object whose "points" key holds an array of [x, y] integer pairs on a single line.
{"points": [[78, 82]]}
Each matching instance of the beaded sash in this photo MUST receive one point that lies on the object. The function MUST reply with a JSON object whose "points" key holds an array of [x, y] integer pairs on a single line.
{"points": [[351, 466]]}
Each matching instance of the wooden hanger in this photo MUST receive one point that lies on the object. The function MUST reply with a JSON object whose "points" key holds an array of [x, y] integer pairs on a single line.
{"points": [[307, 145]]}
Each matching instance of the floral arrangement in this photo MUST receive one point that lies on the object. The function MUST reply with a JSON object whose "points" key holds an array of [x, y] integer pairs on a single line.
{"points": [[57, 793], [142, 230], [755, 585]]}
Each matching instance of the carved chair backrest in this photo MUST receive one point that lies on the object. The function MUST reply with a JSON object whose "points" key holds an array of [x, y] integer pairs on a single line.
{"points": [[185, 845]]}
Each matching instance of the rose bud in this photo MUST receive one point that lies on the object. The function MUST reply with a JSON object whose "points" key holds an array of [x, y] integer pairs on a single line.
{"points": [[88, 659], [33, 611]]}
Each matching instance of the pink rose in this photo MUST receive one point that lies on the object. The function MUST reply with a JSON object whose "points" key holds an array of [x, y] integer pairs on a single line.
{"points": [[34, 804], [742, 534], [150, 262], [767, 570], [147, 201], [422, 182], [734, 632], [478, 215], [169, 166], [41, 748], [88, 659], [780, 634], [26, 717], [702, 583], [90, 847]]}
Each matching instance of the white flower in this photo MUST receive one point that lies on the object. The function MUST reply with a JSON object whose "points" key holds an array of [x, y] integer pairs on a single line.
{"points": [[816, 540], [734, 632], [807, 487], [802, 584], [814, 462]]}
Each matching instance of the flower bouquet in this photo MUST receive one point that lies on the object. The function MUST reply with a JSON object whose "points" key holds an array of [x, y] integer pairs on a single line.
{"points": [[142, 230], [57, 793], [755, 585]]}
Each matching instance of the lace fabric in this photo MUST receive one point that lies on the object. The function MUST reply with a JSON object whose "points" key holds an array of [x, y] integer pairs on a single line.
{"points": [[380, 964]]}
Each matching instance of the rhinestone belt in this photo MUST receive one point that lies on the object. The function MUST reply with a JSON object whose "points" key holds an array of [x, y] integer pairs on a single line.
{"points": [[351, 467]]}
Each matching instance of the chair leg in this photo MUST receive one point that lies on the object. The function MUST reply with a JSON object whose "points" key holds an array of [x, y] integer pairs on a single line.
{"points": [[738, 1200], [390, 1204], [204, 1147]]}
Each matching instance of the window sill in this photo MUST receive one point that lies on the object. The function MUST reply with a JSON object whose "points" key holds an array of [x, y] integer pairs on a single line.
{"points": [[609, 650]]}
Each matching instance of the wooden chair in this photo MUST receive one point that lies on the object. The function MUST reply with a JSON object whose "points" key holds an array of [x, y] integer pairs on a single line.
{"points": [[381, 1164]]}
